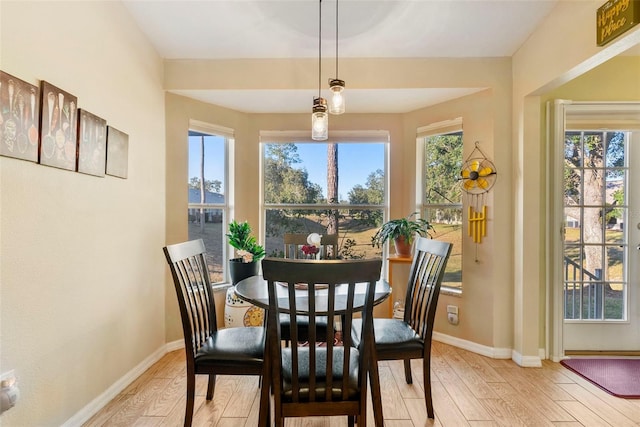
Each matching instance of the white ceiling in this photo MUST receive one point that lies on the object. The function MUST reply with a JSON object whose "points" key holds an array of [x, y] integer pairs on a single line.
{"points": [[224, 29]]}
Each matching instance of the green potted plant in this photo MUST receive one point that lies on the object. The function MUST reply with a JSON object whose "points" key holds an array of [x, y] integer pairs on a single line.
{"points": [[402, 232], [238, 312], [248, 251]]}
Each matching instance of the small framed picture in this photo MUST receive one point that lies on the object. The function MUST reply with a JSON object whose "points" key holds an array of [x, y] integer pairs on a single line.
{"points": [[117, 152], [92, 143], [19, 118], [58, 128]]}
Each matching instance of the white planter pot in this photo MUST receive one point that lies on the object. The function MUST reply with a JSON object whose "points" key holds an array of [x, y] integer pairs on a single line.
{"points": [[238, 312]]}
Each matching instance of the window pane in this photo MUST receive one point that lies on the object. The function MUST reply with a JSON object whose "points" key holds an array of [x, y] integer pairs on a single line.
{"points": [[592, 301], [614, 308], [447, 224], [206, 186], [595, 214], [573, 148], [572, 262], [572, 300], [355, 229], [206, 164], [210, 231], [443, 198], [443, 161], [305, 173]]}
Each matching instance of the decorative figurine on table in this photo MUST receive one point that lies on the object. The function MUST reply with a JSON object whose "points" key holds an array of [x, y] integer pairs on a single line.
{"points": [[313, 246]]}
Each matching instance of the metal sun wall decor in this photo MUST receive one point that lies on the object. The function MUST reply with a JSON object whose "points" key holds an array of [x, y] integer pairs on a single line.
{"points": [[477, 176], [44, 124], [19, 115]]}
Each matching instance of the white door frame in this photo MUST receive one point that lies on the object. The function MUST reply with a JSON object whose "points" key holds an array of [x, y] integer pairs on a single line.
{"points": [[556, 116]]}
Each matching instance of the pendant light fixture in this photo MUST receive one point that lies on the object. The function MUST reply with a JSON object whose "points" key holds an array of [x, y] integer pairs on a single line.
{"points": [[319, 118], [336, 85]]}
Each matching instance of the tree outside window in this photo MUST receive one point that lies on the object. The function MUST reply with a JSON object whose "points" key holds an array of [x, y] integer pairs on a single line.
{"points": [[442, 205], [324, 188]]}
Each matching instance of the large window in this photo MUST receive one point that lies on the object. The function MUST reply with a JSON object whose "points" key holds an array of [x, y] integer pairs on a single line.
{"points": [[208, 189], [440, 152], [336, 187]]}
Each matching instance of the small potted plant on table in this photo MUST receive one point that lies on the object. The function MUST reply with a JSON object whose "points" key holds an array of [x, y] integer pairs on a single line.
{"points": [[239, 312], [402, 232]]}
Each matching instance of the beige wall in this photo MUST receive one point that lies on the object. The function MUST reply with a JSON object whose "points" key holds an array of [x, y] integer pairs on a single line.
{"points": [[485, 318], [618, 79], [81, 265], [537, 69], [85, 295], [486, 284]]}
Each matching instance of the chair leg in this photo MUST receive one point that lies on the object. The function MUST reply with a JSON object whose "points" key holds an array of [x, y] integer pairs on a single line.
{"points": [[211, 387], [426, 377], [191, 395], [407, 371], [376, 396], [350, 421], [265, 400]]}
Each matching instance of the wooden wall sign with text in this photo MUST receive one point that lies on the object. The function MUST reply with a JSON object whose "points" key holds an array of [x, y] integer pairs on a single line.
{"points": [[616, 17]]}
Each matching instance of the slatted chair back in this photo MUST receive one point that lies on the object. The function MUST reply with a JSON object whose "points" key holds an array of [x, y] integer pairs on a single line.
{"points": [[312, 380], [193, 289], [293, 246], [209, 350], [423, 290]]}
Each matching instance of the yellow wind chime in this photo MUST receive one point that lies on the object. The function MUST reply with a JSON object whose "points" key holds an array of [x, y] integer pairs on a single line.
{"points": [[477, 176]]}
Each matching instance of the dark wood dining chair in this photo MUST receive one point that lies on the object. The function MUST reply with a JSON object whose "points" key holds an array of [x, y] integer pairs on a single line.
{"points": [[410, 337], [293, 243], [209, 350], [292, 250], [314, 378]]}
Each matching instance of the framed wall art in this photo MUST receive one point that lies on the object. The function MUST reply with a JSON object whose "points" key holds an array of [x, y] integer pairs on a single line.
{"points": [[117, 152], [19, 118], [92, 143], [58, 128]]}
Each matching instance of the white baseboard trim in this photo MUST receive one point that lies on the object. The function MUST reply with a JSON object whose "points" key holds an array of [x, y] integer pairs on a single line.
{"points": [[494, 353], [174, 345], [109, 394], [526, 361]]}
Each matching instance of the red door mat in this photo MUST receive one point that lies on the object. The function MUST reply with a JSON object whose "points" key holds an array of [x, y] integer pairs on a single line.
{"points": [[620, 377]]}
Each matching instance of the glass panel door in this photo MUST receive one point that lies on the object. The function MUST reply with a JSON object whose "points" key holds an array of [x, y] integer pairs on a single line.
{"points": [[598, 250]]}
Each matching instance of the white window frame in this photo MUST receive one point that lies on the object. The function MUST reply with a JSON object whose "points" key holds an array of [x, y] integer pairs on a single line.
{"points": [[338, 137], [434, 129], [228, 183]]}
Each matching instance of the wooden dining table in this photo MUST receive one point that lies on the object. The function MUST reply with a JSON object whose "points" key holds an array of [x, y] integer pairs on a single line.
{"points": [[254, 289]]}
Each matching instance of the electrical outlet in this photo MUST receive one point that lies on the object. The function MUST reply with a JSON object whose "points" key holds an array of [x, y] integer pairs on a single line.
{"points": [[452, 318], [453, 309]]}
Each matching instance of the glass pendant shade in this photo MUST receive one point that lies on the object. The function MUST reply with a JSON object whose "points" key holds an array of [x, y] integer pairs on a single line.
{"points": [[319, 120], [337, 101]]}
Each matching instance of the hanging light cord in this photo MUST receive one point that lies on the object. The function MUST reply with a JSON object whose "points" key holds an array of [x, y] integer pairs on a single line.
{"points": [[319, 46], [336, 39]]}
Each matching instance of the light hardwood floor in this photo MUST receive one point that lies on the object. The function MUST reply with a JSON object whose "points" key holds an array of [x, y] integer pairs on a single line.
{"points": [[468, 390]]}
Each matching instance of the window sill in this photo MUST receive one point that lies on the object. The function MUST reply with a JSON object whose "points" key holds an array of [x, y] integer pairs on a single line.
{"points": [[451, 292], [220, 287]]}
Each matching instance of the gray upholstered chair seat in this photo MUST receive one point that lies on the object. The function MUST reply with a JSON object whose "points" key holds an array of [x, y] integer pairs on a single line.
{"points": [[392, 335], [234, 345], [321, 374]]}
